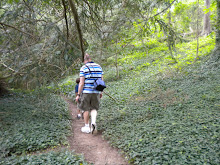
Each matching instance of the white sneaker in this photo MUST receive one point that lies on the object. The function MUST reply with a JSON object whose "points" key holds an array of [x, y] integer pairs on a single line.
{"points": [[86, 129], [78, 116], [93, 128]]}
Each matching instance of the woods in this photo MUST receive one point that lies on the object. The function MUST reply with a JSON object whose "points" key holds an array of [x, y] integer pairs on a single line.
{"points": [[161, 67], [37, 44]]}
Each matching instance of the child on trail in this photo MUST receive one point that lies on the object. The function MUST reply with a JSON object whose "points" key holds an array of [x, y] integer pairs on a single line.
{"points": [[76, 92]]}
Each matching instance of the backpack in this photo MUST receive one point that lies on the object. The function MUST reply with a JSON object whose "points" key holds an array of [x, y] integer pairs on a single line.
{"points": [[99, 84]]}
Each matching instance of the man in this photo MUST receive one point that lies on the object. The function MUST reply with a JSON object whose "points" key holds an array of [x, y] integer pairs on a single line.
{"points": [[87, 97]]}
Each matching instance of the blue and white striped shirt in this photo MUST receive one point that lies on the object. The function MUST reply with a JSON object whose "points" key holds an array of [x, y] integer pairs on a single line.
{"points": [[90, 76]]}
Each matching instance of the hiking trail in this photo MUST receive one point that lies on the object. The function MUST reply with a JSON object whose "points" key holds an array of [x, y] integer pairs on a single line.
{"points": [[94, 148]]}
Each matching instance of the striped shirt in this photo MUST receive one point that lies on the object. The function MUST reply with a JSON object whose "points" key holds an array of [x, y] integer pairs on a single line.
{"points": [[90, 76]]}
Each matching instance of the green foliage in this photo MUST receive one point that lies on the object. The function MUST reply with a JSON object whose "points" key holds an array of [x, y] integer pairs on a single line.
{"points": [[32, 121], [58, 157], [182, 10], [65, 87], [157, 53], [212, 9], [11, 1], [40, 53], [172, 118], [166, 112]]}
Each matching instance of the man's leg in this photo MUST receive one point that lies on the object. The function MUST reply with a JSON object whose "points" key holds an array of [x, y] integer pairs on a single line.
{"points": [[86, 128], [93, 121], [95, 100], [83, 105], [86, 117], [93, 116]]}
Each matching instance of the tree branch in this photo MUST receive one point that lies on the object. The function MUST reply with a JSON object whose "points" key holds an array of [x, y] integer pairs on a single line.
{"points": [[3, 24], [110, 96], [8, 67], [162, 10], [92, 18], [147, 20]]}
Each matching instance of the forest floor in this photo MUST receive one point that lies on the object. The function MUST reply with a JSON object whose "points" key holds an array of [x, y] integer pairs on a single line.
{"points": [[94, 148]]}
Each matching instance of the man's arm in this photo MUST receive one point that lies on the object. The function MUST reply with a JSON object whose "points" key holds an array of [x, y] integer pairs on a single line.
{"points": [[81, 85]]}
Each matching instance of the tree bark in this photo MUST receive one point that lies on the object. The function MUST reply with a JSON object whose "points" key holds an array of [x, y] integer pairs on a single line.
{"points": [[218, 25], [3, 89], [76, 18], [65, 16], [215, 56], [207, 25]]}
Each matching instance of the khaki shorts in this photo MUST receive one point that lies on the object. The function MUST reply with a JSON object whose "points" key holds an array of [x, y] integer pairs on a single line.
{"points": [[89, 101]]}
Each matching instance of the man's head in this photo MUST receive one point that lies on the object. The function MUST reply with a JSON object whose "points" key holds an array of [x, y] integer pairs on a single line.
{"points": [[87, 58]]}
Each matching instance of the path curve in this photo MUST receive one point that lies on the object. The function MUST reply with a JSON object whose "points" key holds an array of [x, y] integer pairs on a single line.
{"points": [[95, 149]]}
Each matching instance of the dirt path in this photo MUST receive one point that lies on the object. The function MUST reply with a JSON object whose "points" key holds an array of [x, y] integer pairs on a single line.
{"points": [[93, 147]]}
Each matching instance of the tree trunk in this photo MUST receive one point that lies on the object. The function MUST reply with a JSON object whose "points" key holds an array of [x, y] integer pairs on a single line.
{"points": [[218, 25], [76, 18], [197, 35], [207, 25], [116, 62], [65, 16], [3, 89], [169, 17], [215, 57], [169, 38]]}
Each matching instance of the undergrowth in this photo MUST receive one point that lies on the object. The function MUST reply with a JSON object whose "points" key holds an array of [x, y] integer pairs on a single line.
{"points": [[32, 122], [53, 157], [169, 118], [163, 112]]}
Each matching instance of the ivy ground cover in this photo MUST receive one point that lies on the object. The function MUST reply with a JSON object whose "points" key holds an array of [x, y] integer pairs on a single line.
{"points": [[31, 123], [169, 118]]}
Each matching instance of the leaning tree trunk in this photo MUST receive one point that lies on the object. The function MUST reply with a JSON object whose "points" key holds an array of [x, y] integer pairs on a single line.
{"points": [[215, 57], [76, 18]]}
